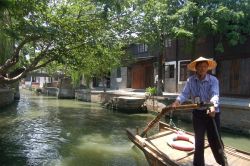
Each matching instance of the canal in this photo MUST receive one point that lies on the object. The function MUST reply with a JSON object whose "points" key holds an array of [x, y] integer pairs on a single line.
{"points": [[42, 130]]}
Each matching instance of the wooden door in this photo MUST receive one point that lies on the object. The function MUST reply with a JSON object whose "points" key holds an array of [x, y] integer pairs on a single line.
{"points": [[138, 77]]}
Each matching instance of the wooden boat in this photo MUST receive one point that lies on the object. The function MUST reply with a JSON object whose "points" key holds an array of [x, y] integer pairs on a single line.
{"points": [[159, 153]]}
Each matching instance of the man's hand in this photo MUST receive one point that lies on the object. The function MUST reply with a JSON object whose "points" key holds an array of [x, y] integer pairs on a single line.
{"points": [[175, 104], [211, 111]]}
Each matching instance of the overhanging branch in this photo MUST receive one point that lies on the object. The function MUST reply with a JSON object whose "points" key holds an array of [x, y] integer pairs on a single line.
{"points": [[15, 56], [43, 64]]}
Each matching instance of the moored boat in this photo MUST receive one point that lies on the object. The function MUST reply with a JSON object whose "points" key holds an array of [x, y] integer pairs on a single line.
{"points": [[158, 152]]}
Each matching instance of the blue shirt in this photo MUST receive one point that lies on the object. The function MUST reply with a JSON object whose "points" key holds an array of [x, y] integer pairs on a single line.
{"points": [[207, 89]]}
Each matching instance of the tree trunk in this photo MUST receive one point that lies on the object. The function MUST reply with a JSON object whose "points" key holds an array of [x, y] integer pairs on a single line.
{"points": [[193, 47], [161, 66], [104, 84], [60, 87], [177, 59], [160, 76]]}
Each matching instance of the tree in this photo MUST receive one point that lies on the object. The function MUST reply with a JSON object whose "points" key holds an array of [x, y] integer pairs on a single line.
{"points": [[223, 19], [105, 50], [153, 28], [102, 61], [46, 31], [6, 43]]}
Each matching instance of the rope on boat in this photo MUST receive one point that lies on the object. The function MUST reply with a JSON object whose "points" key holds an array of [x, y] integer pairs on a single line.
{"points": [[171, 122]]}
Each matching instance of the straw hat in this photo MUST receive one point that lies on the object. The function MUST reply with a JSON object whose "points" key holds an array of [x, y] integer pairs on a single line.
{"points": [[211, 63]]}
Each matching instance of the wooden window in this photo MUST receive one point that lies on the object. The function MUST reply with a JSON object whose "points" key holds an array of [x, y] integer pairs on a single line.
{"points": [[118, 72], [170, 71], [168, 43], [33, 79], [142, 48], [28, 78]]}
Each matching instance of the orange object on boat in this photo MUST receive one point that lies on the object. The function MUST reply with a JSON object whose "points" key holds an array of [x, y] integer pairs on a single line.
{"points": [[182, 142]]}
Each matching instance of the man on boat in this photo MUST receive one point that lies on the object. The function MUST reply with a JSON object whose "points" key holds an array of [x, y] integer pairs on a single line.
{"points": [[203, 88]]}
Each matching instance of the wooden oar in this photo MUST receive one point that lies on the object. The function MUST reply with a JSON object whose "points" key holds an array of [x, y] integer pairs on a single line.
{"points": [[163, 111], [221, 150]]}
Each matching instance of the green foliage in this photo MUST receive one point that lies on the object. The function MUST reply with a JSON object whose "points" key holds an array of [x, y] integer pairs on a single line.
{"points": [[151, 91], [6, 48], [71, 33], [219, 47], [228, 20], [75, 76], [6, 44], [151, 25]]}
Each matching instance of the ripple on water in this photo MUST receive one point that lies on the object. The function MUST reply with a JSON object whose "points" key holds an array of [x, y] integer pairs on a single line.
{"points": [[94, 149]]}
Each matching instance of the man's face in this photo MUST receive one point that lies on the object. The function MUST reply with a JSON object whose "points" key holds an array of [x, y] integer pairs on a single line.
{"points": [[202, 68]]}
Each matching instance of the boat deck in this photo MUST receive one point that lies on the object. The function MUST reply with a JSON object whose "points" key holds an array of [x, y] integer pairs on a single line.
{"points": [[157, 150]]}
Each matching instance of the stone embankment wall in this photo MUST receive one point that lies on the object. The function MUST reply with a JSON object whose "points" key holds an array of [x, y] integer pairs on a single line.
{"points": [[117, 101], [60, 93], [236, 118], [66, 93], [66, 90], [6, 97], [95, 96], [50, 91]]}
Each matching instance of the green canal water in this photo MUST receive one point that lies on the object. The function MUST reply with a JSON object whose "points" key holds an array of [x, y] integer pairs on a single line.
{"points": [[42, 130]]}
